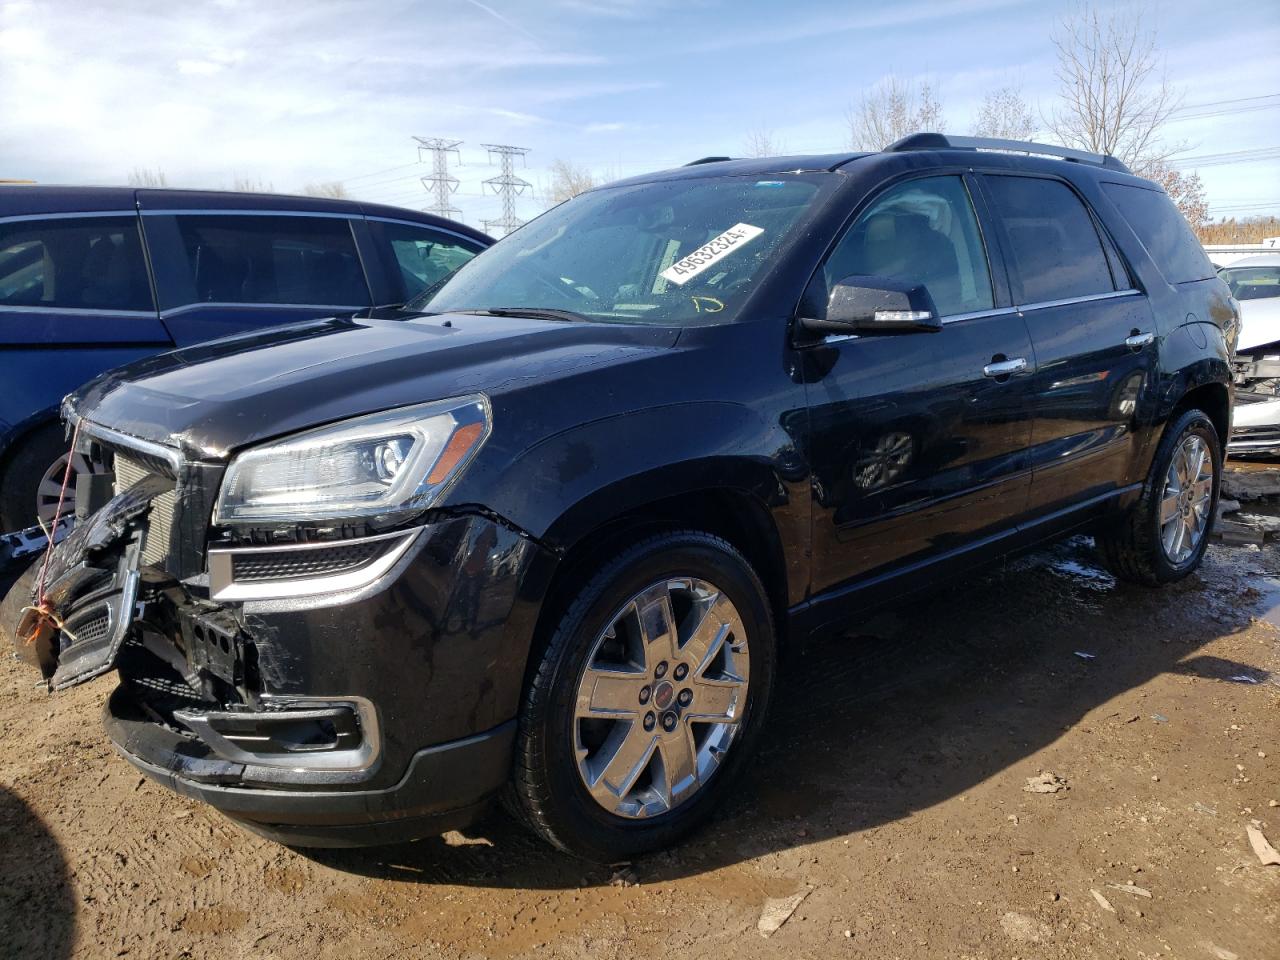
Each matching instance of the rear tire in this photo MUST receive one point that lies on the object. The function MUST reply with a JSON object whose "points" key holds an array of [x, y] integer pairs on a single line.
{"points": [[1145, 545], [581, 778]]}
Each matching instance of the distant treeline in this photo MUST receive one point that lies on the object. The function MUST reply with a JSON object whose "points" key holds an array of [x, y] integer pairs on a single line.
{"points": [[1231, 230]]}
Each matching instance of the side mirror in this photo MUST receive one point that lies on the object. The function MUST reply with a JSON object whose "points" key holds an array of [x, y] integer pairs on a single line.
{"points": [[876, 305]]}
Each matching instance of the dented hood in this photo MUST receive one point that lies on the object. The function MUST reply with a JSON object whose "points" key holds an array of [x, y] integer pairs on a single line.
{"points": [[216, 397]]}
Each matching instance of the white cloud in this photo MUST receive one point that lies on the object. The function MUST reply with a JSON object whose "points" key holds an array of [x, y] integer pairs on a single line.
{"points": [[612, 127], [200, 68]]}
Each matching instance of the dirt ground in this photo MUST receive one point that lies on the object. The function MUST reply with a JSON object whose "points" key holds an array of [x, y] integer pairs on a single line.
{"points": [[890, 791]]}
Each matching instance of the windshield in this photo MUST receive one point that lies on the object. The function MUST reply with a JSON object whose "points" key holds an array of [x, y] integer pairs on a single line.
{"points": [[1252, 283], [674, 252]]}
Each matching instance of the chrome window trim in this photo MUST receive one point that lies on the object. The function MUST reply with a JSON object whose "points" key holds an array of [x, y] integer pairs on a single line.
{"points": [[104, 311], [75, 215], [117, 439], [1068, 301], [188, 307], [430, 226], [260, 212], [978, 314], [223, 587]]}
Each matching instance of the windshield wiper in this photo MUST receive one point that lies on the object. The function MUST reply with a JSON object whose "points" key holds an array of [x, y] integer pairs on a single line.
{"points": [[536, 313]]}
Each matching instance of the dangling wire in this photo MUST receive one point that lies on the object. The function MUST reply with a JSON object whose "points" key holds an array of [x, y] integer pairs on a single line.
{"points": [[41, 618]]}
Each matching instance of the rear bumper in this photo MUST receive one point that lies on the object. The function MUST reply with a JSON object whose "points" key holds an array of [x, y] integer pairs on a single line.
{"points": [[445, 787]]}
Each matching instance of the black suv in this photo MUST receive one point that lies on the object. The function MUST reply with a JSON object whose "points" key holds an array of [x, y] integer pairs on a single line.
{"points": [[553, 526]]}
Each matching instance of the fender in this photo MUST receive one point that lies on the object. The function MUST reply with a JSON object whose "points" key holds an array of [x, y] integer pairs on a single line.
{"points": [[564, 487], [1187, 366]]}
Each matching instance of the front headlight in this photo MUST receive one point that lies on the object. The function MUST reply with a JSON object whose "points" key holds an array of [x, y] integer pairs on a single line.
{"points": [[380, 464]]}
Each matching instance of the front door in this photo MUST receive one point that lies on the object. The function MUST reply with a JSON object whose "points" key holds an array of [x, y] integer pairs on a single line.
{"points": [[918, 441]]}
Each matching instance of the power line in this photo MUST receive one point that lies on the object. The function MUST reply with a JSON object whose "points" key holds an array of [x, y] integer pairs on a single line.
{"points": [[378, 173], [1223, 103], [1258, 155], [506, 185]]}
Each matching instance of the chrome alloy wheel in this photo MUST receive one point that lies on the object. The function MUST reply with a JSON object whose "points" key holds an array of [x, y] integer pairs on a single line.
{"points": [[50, 486], [661, 698], [1185, 502]]}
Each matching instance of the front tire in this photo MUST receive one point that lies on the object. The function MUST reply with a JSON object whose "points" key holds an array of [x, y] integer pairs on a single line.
{"points": [[33, 478], [1164, 535], [648, 699]]}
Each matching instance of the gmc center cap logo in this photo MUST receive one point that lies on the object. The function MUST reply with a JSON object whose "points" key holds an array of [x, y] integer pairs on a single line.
{"points": [[663, 694]]}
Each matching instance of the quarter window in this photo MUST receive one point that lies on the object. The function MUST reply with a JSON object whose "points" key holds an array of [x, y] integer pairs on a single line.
{"points": [[233, 258], [94, 263], [922, 231], [1163, 231], [1053, 244]]}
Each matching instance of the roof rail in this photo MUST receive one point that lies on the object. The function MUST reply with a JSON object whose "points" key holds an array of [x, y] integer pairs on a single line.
{"points": [[942, 141], [694, 163]]}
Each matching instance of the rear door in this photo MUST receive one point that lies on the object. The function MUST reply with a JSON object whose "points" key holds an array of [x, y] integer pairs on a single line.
{"points": [[75, 300], [1094, 336], [225, 272], [918, 441]]}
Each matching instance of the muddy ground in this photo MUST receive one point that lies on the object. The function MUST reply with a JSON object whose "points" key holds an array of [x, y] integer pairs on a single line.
{"points": [[890, 790]]}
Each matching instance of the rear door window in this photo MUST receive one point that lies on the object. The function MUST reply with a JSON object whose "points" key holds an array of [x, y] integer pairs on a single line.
{"points": [[1163, 231], [1052, 241], [89, 263], [266, 259]]}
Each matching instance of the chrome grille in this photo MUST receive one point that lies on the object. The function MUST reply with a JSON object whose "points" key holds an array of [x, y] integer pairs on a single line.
{"points": [[160, 519]]}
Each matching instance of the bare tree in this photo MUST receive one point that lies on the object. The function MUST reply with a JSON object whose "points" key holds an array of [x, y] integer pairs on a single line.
{"points": [[762, 142], [890, 111], [252, 185], [1185, 190], [567, 181], [1115, 96], [333, 189], [1005, 114], [147, 177]]}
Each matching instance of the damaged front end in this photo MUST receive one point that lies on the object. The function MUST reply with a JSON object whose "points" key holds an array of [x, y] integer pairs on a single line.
{"points": [[127, 589], [323, 682]]}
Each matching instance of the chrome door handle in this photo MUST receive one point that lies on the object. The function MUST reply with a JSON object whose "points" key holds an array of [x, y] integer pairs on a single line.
{"points": [[1139, 340], [1004, 368]]}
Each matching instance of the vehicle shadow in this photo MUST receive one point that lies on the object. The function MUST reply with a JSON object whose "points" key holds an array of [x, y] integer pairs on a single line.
{"points": [[910, 708], [37, 901]]}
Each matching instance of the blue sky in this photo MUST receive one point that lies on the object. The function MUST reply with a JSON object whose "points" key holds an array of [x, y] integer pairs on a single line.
{"points": [[291, 93]]}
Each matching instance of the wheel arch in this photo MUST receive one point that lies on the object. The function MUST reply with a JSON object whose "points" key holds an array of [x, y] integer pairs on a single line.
{"points": [[737, 516], [1214, 399]]}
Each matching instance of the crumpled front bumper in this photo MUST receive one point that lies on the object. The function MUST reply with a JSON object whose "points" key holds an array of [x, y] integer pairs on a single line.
{"points": [[90, 588], [444, 787]]}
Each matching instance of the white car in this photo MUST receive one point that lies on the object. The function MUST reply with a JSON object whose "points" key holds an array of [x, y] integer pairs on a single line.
{"points": [[1255, 283], [1255, 428]]}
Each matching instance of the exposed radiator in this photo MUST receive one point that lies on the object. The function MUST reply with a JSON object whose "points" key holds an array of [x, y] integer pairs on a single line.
{"points": [[159, 520]]}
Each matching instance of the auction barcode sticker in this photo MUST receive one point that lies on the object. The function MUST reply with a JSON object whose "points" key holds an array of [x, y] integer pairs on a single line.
{"points": [[711, 252]]}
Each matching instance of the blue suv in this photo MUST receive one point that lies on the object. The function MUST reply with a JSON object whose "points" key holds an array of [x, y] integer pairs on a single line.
{"points": [[91, 278]]}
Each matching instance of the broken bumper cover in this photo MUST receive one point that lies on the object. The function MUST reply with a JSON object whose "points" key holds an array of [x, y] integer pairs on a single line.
{"points": [[444, 787], [359, 715]]}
